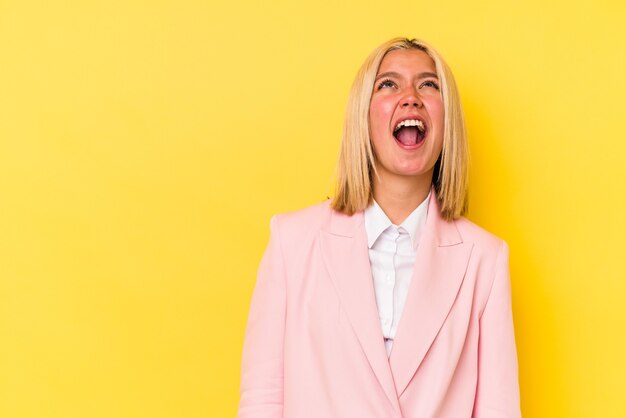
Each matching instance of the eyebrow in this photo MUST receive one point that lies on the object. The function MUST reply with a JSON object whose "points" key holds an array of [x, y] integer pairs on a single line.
{"points": [[396, 75]]}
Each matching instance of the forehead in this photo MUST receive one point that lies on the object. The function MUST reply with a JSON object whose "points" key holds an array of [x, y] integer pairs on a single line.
{"points": [[410, 60]]}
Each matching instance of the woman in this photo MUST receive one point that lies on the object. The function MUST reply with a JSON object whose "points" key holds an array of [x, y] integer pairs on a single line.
{"points": [[385, 301]]}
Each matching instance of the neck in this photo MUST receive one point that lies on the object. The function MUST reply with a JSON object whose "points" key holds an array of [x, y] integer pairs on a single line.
{"points": [[398, 196]]}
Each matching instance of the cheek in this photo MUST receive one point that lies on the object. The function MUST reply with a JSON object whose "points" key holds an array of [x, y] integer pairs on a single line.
{"points": [[437, 109], [436, 112], [380, 114], [440, 115]]}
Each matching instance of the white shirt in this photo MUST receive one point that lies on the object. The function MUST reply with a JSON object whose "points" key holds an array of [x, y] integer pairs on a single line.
{"points": [[392, 252]]}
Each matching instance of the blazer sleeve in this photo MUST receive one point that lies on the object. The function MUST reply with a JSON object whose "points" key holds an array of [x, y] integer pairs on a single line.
{"points": [[261, 385], [497, 394]]}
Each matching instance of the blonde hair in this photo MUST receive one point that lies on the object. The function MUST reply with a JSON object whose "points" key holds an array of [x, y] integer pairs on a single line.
{"points": [[356, 164]]}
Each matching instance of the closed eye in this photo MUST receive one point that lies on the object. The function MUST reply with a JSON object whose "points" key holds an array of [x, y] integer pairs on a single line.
{"points": [[430, 83], [386, 83]]}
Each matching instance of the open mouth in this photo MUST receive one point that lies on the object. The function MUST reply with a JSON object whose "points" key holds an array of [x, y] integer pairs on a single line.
{"points": [[410, 132]]}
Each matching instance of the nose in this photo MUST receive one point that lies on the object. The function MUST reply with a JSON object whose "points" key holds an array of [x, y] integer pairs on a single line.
{"points": [[411, 98]]}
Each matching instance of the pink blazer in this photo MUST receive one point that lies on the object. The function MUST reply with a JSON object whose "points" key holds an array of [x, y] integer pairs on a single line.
{"points": [[313, 345]]}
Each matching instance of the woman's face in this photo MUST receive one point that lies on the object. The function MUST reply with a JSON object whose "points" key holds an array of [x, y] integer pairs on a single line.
{"points": [[406, 115]]}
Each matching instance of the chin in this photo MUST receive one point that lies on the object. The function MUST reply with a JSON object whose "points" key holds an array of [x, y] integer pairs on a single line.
{"points": [[413, 173], [414, 170]]}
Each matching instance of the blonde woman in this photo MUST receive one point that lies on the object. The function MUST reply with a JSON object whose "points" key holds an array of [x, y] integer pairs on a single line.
{"points": [[385, 302]]}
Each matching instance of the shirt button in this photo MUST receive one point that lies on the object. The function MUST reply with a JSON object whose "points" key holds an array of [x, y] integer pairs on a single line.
{"points": [[388, 277], [385, 321]]}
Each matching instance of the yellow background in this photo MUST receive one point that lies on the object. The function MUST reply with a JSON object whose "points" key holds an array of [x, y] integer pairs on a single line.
{"points": [[144, 146]]}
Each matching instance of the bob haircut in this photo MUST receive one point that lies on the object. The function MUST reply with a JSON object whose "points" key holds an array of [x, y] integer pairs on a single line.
{"points": [[357, 162]]}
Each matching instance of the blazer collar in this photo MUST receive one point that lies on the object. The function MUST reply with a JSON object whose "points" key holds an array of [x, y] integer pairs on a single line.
{"points": [[445, 233], [440, 265]]}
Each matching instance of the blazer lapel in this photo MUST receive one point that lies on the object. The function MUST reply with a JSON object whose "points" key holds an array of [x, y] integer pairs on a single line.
{"points": [[440, 266], [345, 252]]}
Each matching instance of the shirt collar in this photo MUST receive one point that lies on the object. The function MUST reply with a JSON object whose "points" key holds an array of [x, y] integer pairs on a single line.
{"points": [[376, 221]]}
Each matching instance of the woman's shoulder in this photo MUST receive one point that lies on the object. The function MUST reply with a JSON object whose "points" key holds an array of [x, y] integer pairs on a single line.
{"points": [[305, 220], [481, 238]]}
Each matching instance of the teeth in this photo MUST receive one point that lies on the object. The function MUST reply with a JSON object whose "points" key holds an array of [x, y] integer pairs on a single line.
{"points": [[410, 122]]}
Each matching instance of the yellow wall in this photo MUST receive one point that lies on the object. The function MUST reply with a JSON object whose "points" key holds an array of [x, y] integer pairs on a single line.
{"points": [[145, 145]]}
